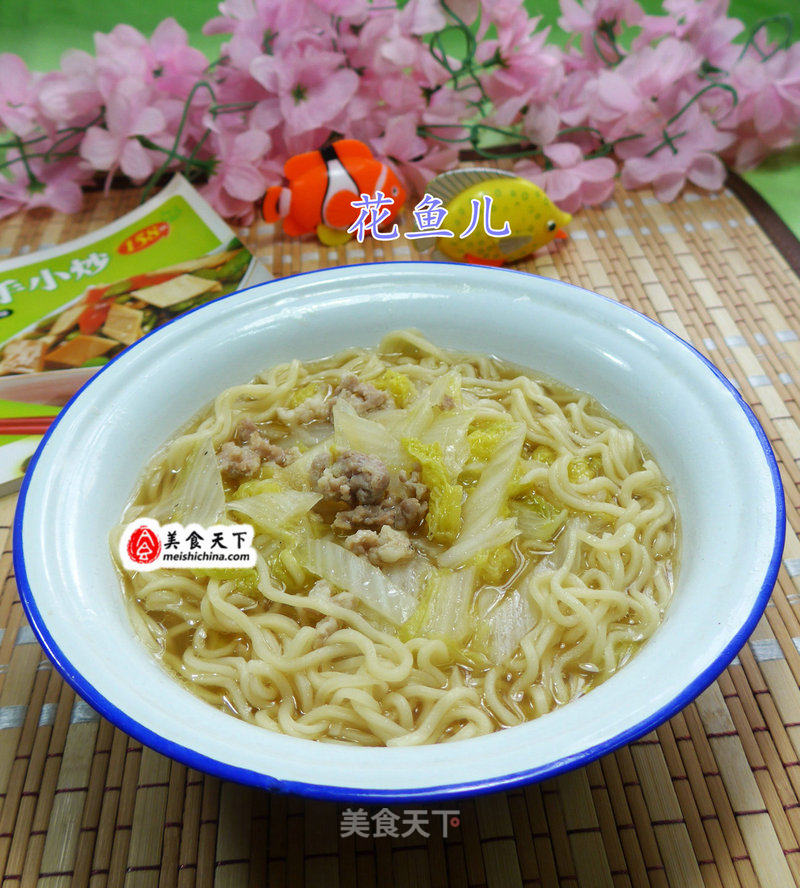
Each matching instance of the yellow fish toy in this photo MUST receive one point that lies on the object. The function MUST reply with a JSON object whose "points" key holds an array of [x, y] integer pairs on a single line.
{"points": [[534, 220]]}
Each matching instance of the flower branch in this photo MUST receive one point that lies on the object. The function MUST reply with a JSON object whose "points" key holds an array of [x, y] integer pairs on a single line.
{"points": [[651, 100]]}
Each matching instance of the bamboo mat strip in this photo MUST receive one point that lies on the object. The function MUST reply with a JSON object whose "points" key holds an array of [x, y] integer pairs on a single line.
{"points": [[712, 798]]}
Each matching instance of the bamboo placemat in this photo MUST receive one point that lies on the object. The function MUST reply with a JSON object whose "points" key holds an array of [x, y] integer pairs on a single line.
{"points": [[710, 798]]}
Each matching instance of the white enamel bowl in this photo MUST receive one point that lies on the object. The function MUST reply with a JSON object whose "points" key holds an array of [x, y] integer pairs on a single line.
{"points": [[706, 439]]}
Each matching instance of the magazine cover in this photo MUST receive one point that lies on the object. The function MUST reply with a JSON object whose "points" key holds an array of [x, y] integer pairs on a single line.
{"points": [[68, 310]]}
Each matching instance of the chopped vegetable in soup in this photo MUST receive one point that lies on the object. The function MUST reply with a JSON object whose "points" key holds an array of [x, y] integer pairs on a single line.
{"points": [[447, 545]]}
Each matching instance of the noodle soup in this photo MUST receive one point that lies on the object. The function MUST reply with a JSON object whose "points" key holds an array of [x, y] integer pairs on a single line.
{"points": [[447, 545]]}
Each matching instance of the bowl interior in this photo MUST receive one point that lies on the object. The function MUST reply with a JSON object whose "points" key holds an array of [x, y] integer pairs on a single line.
{"points": [[709, 446]]}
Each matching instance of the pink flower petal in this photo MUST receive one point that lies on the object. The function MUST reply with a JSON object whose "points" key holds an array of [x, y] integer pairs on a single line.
{"points": [[264, 69], [119, 109], [466, 10], [66, 197], [252, 145], [168, 37], [326, 101], [593, 193], [636, 172], [708, 172], [422, 17], [767, 110], [245, 182], [599, 169], [135, 161], [267, 114], [564, 154], [14, 73], [148, 122], [561, 184], [668, 185], [100, 148], [541, 124]]}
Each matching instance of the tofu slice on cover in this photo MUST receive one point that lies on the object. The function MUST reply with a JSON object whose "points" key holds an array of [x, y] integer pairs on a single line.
{"points": [[23, 356], [185, 286], [123, 324], [76, 352], [68, 318]]}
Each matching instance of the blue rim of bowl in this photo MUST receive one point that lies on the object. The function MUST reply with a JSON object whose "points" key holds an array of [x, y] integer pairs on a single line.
{"points": [[212, 766]]}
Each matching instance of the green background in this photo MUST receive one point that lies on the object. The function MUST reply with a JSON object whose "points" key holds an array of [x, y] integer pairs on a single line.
{"points": [[40, 30]]}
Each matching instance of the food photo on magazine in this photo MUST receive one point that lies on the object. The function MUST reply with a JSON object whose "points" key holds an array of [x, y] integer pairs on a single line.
{"points": [[66, 311]]}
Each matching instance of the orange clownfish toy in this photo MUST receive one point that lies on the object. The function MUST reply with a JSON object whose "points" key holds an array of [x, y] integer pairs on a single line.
{"points": [[322, 186]]}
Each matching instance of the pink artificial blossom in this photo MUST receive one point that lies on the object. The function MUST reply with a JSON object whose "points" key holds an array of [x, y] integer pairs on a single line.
{"points": [[56, 185], [121, 54], [70, 96], [665, 108], [587, 21], [573, 182], [531, 73], [705, 26], [571, 100], [585, 18], [388, 45], [125, 52], [693, 156], [767, 115], [257, 28], [354, 11], [129, 115], [511, 20], [241, 176], [640, 93], [17, 95], [466, 10], [400, 140], [541, 123], [668, 173], [175, 64], [420, 17], [312, 86], [419, 171]]}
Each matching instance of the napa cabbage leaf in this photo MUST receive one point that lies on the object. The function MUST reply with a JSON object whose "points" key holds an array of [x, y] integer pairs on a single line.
{"points": [[197, 496], [444, 499]]}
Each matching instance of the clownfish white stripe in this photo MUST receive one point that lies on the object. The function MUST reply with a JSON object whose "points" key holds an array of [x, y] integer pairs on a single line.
{"points": [[338, 180], [382, 178], [284, 202]]}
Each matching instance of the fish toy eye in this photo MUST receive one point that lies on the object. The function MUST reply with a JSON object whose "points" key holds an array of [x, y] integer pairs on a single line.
{"points": [[551, 226], [394, 190]]}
